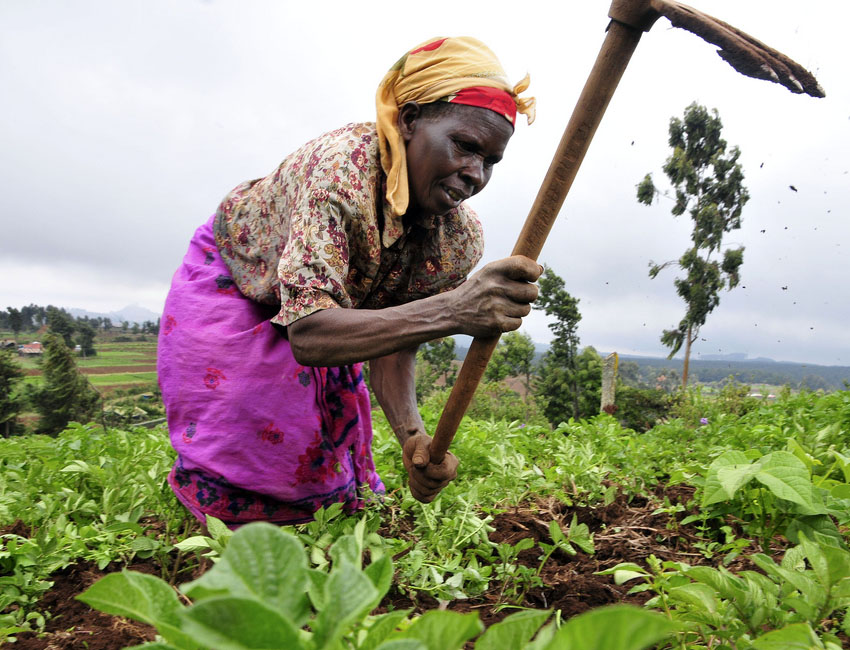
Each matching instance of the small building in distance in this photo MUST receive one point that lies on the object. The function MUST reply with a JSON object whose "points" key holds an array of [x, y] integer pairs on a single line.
{"points": [[30, 348]]}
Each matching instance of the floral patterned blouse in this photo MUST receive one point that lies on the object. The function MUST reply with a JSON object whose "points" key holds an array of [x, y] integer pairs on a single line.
{"points": [[317, 233]]}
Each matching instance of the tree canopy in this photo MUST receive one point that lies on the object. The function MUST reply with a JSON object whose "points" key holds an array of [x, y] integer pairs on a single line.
{"points": [[708, 183]]}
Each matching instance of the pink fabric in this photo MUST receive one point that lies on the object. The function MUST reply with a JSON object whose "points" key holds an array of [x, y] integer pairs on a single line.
{"points": [[258, 436]]}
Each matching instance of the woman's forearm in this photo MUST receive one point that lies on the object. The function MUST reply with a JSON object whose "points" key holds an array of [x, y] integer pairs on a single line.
{"points": [[494, 300], [393, 380], [337, 337]]}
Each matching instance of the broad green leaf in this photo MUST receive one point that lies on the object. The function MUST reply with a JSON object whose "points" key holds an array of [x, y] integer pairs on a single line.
{"points": [[155, 645], [841, 589], [229, 623], [142, 598], [316, 588], [346, 549], [844, 463], [622, 576], [191, 544], [798, 579], [788, 478], [260, 562], [624, 566], [349, 595], [837, 561], [722, 581], [814, 527], [699, 595], [380, 572], [555, 532], [513, 632], [713, 490], [581, 536], [817, 559], [382, 627], [144, 544], [794, 559], [798, 636], [544, 637], [840, 491], [805, 457], [734, 477], [218, 530], [403, 644], [807, 609], [618, 627], [444, 630]]}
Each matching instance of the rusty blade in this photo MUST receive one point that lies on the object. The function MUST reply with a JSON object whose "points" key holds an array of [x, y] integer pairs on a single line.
{"points": [[747, 55]]}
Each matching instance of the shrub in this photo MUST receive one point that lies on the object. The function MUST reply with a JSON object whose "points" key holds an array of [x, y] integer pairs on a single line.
{"points": [[493, 401], [642, 408]]}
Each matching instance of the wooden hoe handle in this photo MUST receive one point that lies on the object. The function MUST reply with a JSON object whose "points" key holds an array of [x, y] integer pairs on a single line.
{"points": [[617, 49], [630, 18]]}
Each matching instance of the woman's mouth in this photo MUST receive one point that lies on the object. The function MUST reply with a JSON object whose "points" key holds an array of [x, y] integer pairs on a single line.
{"points": [[455, 195]]}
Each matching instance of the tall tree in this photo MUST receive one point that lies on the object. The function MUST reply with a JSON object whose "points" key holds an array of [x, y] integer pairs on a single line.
{"points": [[60, 322], [16, 321], [588, 377], [557, 386], [85, 339], [709, 185], [440, 354], [513, 357], [65, 394], [11, 401]]}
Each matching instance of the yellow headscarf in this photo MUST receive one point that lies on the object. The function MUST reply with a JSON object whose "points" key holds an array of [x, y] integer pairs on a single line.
{"points": [[429, 72]]}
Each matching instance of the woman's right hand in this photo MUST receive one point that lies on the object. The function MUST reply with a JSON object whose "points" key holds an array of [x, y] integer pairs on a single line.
{"points": [[495, 299]]}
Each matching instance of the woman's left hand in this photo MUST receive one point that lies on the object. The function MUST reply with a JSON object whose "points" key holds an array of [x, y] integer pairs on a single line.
{"points": [[426, 478]]}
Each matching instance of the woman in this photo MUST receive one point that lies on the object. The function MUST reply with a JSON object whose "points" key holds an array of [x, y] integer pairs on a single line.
{"points": [[355, 249]]}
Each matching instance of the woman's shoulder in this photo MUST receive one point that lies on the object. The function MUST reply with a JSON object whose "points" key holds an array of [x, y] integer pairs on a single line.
{"points": [[343, 142]]}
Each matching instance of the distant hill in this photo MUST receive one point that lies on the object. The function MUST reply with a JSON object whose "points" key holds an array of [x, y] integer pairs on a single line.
{"points": [[755, 371], [131, 313], [713, 368]]}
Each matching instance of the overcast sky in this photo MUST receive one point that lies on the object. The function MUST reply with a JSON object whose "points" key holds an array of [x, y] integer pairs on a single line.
{"points": [[123, 124]]}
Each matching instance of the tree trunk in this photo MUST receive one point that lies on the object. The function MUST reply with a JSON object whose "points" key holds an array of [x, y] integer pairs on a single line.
{"points": [[688, 341]]}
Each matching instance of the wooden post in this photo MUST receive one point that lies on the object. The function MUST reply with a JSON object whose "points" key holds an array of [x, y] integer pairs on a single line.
{"points": [[609, 382]]}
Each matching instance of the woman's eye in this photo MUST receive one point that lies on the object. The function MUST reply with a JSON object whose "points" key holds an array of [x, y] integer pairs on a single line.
{"points": [[466, 147]]}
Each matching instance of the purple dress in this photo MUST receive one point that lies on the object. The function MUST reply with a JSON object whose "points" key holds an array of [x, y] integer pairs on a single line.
{"points": [[258, 436]]}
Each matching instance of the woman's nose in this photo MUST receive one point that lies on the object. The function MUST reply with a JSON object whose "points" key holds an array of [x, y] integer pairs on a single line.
{"points": [[473, 171]]}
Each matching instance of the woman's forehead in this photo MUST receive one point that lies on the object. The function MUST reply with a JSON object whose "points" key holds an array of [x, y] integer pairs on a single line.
{"points": [[479, 123]]}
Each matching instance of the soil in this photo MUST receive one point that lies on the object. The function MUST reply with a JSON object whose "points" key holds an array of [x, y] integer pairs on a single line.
{"points": [[624, 531], [74, 625]]}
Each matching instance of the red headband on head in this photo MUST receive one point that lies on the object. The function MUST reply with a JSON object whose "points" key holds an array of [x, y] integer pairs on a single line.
{"points": [[495, 99]]}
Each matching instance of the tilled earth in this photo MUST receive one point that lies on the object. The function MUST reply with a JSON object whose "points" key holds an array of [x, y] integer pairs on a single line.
{"points": [[624, 531]]}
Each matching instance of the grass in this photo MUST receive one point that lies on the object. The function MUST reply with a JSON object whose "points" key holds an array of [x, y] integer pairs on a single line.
{"points": [[120, 378]]}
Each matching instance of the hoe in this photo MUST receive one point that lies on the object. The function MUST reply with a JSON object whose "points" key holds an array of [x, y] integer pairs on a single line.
{"points": [[629, 19]]}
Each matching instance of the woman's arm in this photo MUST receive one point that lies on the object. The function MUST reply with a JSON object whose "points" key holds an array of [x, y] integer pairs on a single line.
{"points": [[490, 302], [393, 380]]}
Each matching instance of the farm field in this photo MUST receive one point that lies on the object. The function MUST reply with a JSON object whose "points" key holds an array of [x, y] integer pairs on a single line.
{"points": [[727, 531], [117, 365]]}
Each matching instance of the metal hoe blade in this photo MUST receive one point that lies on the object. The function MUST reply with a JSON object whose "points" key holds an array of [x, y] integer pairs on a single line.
{"points": [[747, 55]]}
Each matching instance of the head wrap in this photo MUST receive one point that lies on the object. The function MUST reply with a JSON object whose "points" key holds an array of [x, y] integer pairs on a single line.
{"points": [[461, 70]]}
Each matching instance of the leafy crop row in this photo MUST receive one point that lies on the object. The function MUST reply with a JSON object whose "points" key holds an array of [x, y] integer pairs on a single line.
{"points": [[775, 472]]}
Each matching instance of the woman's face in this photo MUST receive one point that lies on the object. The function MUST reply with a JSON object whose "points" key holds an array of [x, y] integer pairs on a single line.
{"points": [[450, 156]]}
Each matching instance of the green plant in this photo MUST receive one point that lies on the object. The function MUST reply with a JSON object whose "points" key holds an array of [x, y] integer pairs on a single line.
{"points": [[262, 594], [786, 604], [769, 493]]}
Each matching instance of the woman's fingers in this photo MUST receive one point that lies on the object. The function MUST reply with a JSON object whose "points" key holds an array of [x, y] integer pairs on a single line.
{"points": [[495, 299], [425, 478]]}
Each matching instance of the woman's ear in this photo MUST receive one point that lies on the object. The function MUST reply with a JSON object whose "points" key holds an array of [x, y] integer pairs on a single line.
{"points": [[407, 116]]}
